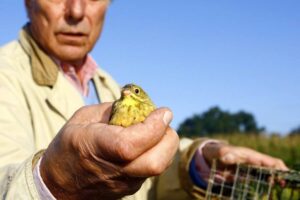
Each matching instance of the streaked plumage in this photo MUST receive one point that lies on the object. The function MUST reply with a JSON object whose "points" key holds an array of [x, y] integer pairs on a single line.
{"points": [[133, 106]]}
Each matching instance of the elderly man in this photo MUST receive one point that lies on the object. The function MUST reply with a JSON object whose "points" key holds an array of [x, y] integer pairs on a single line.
{"points": [[51, 146]]}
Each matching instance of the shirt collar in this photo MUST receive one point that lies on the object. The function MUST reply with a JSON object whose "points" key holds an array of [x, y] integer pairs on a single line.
{"points": [[80, 76]]}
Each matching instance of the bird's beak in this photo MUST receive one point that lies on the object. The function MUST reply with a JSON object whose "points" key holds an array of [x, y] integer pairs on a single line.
{"points": [[126, 92]]}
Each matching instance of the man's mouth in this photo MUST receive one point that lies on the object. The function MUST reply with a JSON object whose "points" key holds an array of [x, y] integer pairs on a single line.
{"points": [[71, 34], [71, 37]]}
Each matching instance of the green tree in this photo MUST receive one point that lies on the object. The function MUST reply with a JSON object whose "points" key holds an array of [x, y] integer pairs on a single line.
{"points": [[216, 121], [295, 131]]}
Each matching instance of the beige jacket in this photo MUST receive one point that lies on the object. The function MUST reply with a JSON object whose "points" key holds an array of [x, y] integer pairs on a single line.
{"points": [[36, 101]]}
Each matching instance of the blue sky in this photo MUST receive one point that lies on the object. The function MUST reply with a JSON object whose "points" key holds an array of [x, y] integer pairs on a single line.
{"points": [[192, 55]]}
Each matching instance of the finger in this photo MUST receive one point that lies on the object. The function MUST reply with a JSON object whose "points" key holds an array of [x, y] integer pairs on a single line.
{"points": [[92, 114], [243, 155], [143, 136], [117, 143], [240, 155], [136, 139], [157, 159], [260, 159], [157, 120], [275, 163]]}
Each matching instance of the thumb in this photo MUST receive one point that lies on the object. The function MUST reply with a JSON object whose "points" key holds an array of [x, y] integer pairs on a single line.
{"points": [[155, 124], [143, 136], [159, 119], [161, 114]]}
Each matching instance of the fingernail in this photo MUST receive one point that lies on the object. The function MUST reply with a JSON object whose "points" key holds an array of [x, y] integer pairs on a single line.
{"points": [[167, 117]]}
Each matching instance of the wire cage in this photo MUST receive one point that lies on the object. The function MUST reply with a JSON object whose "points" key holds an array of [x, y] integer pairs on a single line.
{"points": [[246, 182]]}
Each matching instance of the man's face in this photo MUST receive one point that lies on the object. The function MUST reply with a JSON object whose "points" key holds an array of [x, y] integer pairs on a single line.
{"points": [[67, 29]]}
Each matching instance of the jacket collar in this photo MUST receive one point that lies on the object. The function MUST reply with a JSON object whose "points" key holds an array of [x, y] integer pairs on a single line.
{"points": [[44, 70]]}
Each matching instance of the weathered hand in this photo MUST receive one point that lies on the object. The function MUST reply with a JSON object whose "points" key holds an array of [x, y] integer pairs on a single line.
{"points": [[89, 159], [229, 155]]}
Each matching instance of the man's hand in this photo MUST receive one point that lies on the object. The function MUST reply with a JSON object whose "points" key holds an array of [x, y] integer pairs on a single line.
{"points": [[89, 159], [229, 155]]}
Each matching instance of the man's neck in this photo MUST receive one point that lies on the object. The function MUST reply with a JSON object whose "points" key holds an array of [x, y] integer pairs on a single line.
{"points": [[77, 64], [79, 73]]}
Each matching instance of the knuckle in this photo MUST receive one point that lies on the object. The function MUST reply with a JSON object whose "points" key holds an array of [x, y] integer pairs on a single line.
{"points": [[156, 168], [77, 116], [152, 127], [80, 111], [221, 150], [125, 150]]}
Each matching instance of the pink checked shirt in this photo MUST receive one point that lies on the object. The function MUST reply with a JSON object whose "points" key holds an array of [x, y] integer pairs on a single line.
{"points": [[84, 74]]}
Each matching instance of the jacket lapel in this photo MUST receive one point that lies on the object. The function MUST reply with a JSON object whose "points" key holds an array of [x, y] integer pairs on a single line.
{"points": [[64, 98], [108, 90]]}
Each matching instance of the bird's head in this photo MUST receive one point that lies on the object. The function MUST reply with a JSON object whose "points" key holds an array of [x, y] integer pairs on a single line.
{"points": [[135, 93]]}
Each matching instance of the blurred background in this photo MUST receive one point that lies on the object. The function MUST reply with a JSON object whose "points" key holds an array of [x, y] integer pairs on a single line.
{"points": [[223, 67]]}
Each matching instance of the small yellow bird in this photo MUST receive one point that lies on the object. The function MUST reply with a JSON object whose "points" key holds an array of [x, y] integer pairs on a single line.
{"points": [[133, 106]]}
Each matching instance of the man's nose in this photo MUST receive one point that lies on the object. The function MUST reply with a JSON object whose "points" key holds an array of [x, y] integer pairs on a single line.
{"points": [[75, 9]]}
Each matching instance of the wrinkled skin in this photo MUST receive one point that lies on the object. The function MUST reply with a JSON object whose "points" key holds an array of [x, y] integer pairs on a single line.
{"points": [[67, 29], [92, 160]]}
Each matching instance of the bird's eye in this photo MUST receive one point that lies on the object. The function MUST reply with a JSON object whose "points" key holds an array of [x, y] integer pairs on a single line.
{"points": [[137, 91]]}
